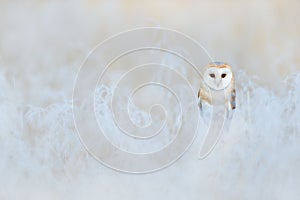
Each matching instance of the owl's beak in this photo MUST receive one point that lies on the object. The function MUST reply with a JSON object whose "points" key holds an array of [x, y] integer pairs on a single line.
{"points": [[218, 82]]}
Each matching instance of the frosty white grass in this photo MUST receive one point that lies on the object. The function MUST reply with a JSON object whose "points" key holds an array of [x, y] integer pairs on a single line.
{"points": [[258, 157]]}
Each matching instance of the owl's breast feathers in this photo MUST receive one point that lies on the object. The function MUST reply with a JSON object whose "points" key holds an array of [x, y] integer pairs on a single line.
{"points": [[217, 97]]}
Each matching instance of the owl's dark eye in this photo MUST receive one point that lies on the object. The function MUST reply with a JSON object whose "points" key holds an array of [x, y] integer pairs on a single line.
{"points": [[212, 75], [223, 75]]}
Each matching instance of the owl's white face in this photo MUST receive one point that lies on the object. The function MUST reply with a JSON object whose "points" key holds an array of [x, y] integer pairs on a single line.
{"points": [[217, 78]]}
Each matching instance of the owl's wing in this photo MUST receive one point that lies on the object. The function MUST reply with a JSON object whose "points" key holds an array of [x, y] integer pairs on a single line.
{"points": [[203, 95], [199, 99], [232, 99]]}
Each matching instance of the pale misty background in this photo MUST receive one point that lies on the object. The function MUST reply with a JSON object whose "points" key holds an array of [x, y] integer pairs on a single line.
{"points": [[42, 45]]}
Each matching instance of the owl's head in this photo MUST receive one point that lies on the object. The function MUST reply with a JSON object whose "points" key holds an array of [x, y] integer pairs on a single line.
{"points": [[218, 75]]}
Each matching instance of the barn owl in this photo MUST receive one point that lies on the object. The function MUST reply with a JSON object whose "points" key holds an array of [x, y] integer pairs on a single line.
{"points": [[218, 86]]}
